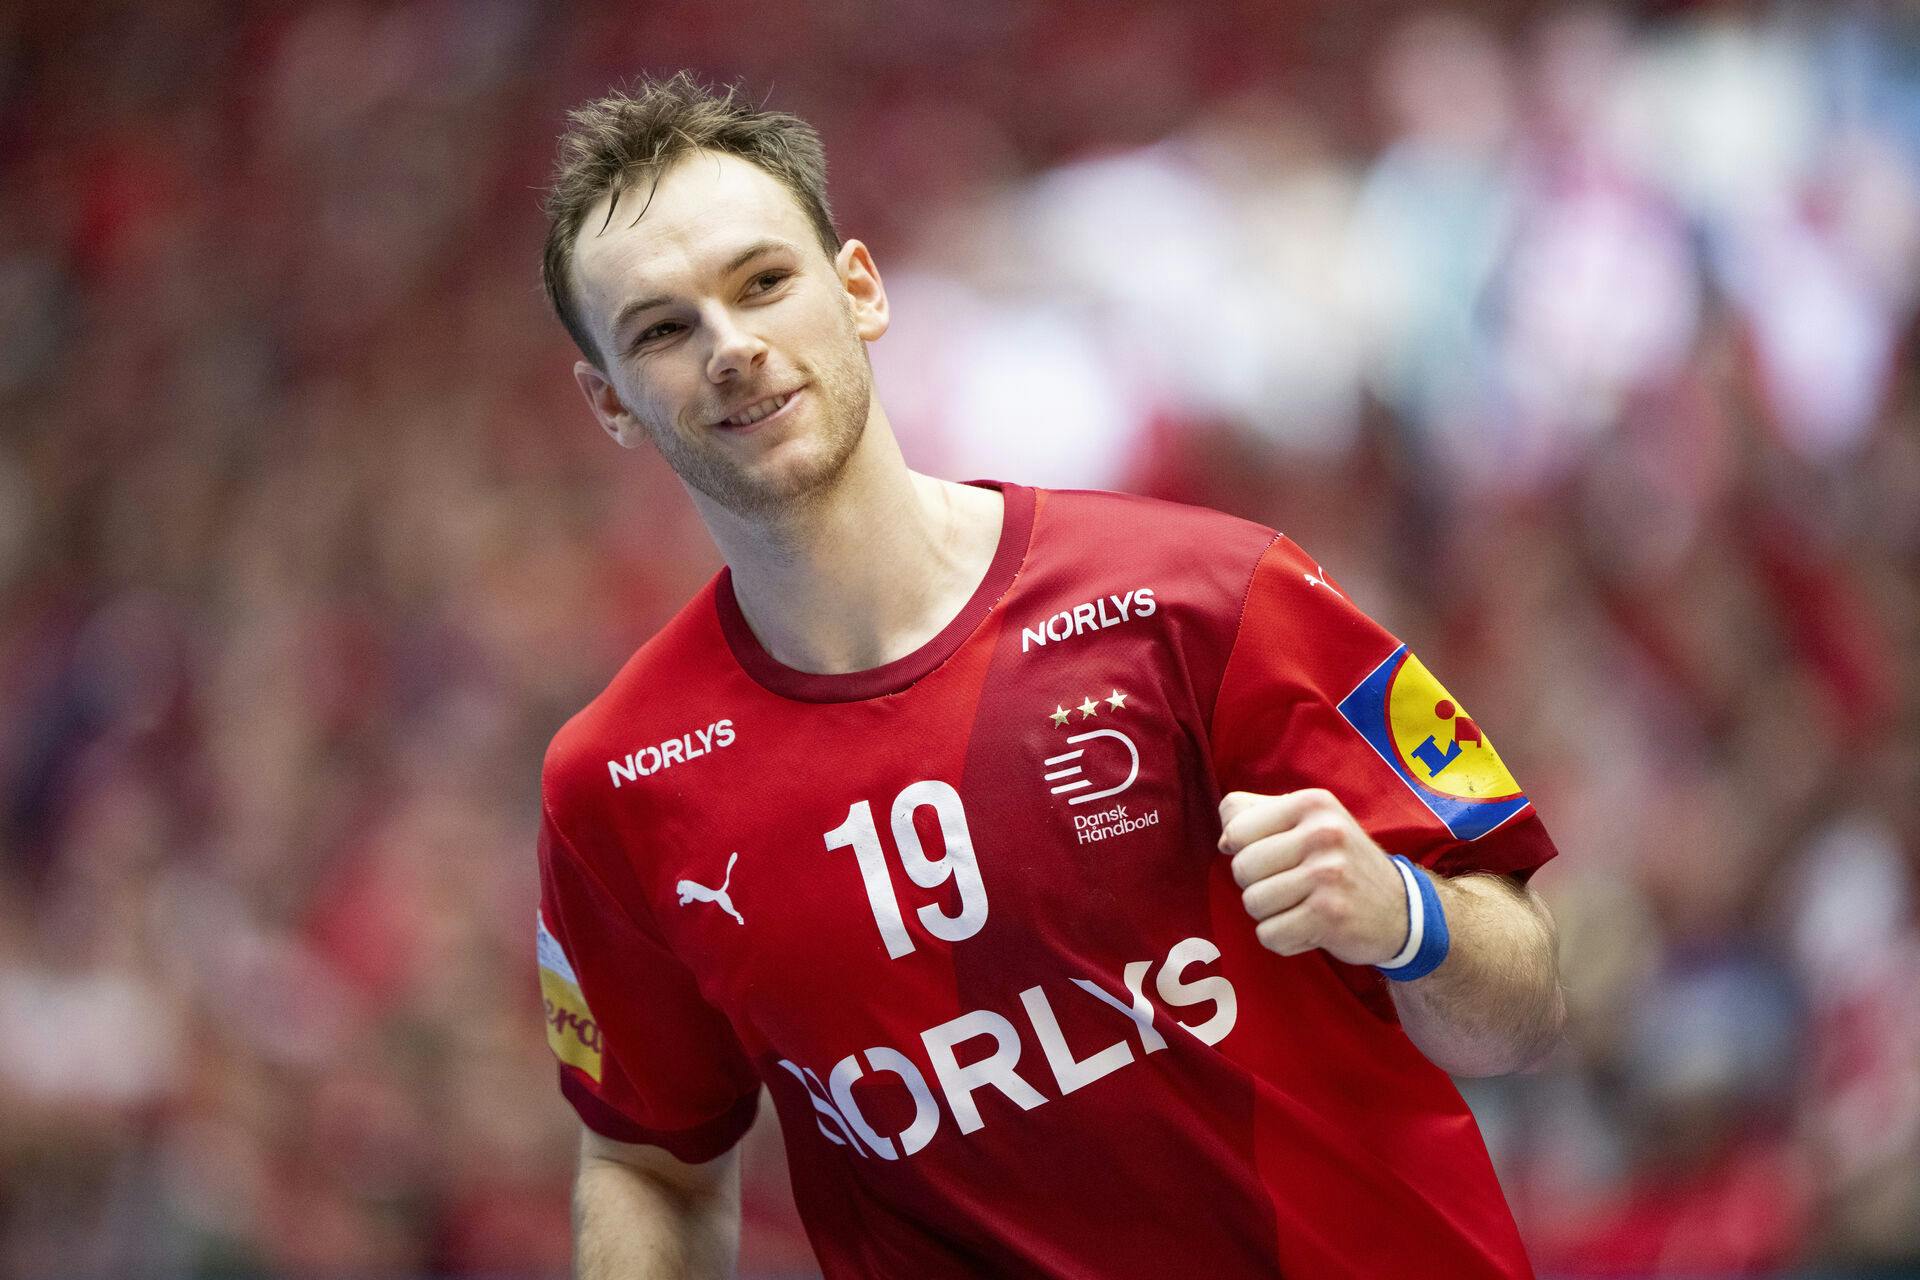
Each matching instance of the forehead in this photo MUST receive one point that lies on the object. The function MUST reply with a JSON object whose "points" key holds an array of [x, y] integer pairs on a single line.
{"points": [[705, 208]]}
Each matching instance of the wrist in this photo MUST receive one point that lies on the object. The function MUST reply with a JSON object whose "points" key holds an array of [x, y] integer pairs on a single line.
{"points": [[1427, 939]]}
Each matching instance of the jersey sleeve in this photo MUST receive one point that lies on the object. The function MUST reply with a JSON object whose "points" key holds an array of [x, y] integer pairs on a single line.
{"points": [[642, 1056], [1317, 694]]}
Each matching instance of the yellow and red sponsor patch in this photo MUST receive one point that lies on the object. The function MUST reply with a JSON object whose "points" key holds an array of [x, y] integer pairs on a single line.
{"points": [[572, 1033], [1427, 738]]}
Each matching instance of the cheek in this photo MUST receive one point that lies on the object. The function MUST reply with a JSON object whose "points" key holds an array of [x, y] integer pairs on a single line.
{"points": [[823, 336], [807, 320], [661, 399]]}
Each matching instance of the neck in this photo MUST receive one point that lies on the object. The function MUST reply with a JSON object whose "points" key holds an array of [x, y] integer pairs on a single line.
{"points": [[864, 571]]}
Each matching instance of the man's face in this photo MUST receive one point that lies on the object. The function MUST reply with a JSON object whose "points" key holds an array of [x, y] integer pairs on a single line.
{"points": [[731, 339]]}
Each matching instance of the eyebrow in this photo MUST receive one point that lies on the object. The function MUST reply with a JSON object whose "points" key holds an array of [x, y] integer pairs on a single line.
{"points": [[769, 245]]}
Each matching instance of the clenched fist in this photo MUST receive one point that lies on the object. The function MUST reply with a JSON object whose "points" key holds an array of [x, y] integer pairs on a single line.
{"points": [[1310, 877]]}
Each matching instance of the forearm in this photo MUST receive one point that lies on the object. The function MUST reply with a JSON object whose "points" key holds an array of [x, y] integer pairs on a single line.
{"points": [[1494, 1005], [629, 1224]]}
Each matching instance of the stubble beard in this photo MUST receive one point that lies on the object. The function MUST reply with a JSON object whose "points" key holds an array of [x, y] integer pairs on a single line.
{"points": [[843, 386]]}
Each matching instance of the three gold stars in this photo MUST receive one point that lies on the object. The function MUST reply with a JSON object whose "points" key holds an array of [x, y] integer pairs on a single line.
{"points": [[1088, 708]]}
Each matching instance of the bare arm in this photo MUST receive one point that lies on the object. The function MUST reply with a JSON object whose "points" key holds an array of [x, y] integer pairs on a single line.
{"points": [[640, 1214], [1311, 877], [1494, 1005]]}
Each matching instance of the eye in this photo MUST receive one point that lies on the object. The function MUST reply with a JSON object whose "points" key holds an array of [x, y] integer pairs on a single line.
{"points": [[767, 281], [665, 329]]}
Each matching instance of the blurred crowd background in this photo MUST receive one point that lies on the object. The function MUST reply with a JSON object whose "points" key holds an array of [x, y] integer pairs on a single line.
{"points": [[1576, 342]]}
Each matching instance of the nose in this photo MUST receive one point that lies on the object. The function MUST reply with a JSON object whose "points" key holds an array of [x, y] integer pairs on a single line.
{"points": [[736, 350]]}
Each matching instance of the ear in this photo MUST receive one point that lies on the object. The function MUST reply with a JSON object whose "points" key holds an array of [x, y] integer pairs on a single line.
{"points": [[866, 295], [607, 406]]}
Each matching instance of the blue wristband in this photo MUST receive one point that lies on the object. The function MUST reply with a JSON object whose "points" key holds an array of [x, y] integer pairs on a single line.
{"points": [[1427, 939]]}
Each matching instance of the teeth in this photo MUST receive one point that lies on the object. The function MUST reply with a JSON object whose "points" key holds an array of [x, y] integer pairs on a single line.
{"points": [[753, 413]]}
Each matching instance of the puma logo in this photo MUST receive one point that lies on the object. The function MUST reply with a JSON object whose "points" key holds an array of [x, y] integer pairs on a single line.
{"points": [[692, 892], [1321, 581]]}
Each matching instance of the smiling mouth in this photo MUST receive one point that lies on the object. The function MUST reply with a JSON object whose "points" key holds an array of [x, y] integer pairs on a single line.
{"points": [[761, 410]]}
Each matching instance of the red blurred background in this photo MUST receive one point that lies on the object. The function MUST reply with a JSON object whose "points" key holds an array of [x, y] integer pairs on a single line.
{"points": [[1577, 342]]}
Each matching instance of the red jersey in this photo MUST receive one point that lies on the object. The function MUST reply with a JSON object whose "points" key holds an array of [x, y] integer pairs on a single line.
{"points": [[964, 916]]}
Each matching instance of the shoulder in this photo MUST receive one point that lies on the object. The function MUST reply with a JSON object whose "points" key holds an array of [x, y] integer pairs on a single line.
{"points": [[1187, 558], [688, 652], [1099, 512]]}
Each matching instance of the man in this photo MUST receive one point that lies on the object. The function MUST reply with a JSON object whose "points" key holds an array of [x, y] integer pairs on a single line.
{"points": [[1031, 848]]}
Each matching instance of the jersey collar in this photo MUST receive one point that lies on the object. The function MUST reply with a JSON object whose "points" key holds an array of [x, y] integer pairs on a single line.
{"points": [[1016, 528]]}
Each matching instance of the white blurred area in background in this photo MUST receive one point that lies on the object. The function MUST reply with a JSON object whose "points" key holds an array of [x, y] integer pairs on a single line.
{"points": [[1531, 252]]}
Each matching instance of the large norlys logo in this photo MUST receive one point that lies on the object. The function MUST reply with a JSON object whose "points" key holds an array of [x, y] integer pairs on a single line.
{"points": [[1427, 738]]}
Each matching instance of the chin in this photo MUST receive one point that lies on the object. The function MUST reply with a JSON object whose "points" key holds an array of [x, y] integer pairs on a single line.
{"points": [[795, 473]]}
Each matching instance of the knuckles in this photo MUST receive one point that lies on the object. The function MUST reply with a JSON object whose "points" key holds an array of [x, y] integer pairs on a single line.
{"points": [[1317, 798], [1244, 817], [1329, 873], [1335, 911], [1235, 803], [1322, 834]]}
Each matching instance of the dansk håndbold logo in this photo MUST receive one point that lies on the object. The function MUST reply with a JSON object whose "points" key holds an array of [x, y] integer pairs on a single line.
{"points": [[1438, 751], [1085, 780]]}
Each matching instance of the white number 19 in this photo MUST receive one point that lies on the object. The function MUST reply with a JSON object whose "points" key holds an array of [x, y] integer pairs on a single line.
{"points": [[959, 865]]}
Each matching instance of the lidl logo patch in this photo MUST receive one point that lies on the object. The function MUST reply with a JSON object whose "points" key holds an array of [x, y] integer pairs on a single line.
{"points": [[572, 1033], [1435, 747]]}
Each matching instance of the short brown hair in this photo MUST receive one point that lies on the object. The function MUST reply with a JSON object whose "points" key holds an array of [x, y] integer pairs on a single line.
{"points": [[636, 134]]}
